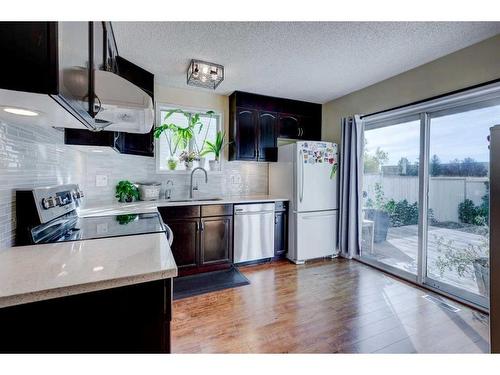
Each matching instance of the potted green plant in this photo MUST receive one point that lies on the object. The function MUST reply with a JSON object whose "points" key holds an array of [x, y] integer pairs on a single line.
{"points": [[379, 212], [216, 149], [470, 260], [201, 127], [180, 136], [126, 191], [187, 158]]}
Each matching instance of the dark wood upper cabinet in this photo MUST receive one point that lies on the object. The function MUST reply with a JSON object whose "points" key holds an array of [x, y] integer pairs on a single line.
{"points": [[308, 128], [289, 126], [257, 121], [245, 143], [61, 59], [32, 57], [267, 138]]}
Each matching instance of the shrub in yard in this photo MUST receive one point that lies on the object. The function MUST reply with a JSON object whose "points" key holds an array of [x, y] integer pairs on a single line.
{"points": [[469, 213], [402, 213]]}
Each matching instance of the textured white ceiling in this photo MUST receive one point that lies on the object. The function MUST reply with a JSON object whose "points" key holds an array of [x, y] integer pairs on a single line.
{"points": [[312, 61]]}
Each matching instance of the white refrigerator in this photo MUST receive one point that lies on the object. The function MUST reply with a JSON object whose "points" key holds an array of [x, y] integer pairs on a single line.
{"points": [[306, 174]]}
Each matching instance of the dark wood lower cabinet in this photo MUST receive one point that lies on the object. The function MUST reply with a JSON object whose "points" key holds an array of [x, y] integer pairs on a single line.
{"points": [[280, 229], [202, 236], [130, 319], [216, 240], [186, 242]]}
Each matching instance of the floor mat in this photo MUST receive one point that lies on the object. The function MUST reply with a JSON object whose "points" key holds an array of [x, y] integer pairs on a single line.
{"points": [[188, 286]]}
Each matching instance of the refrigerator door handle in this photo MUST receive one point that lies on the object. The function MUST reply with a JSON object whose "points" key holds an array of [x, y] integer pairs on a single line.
{"points": [[301, 161], [319, 216]]}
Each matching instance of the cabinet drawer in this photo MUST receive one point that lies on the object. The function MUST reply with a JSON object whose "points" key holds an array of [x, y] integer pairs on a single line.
{"points": [[179, 212], [217, 210]]}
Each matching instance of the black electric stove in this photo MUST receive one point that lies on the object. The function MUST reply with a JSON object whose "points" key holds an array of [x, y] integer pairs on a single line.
{"points": [[47, 215]]}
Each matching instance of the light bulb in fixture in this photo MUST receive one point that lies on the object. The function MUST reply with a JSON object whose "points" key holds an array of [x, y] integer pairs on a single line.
{"points": [[20, 111], [205, 70], [196, 71], [213, 74]]}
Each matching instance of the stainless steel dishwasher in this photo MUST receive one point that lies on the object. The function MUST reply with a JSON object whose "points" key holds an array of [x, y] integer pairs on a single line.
{"points": [[253, 232]]}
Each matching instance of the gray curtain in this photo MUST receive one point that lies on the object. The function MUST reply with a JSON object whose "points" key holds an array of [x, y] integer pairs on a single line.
{"points": [[350, 187]]}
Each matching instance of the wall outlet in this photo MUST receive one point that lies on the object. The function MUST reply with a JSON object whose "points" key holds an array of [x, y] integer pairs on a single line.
{"points": [[236, 179], [101, 180]]}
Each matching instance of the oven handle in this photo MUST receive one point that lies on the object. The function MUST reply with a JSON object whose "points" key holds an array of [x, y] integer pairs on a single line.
{"points": [[170, 235], [168, 231]]}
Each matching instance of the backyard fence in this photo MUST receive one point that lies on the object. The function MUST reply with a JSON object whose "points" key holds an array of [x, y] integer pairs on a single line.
{"points": [[445, 193]]}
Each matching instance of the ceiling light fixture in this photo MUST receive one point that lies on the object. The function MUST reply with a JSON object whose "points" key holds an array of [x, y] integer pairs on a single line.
{"points": [[20, 111], [205, 74]]}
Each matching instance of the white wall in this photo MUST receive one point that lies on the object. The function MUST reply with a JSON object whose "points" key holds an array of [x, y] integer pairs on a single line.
{"points": [[467, 67]]}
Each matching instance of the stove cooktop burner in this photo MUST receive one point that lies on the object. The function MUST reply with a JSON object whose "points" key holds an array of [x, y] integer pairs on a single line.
{"points": [[70, 227]]}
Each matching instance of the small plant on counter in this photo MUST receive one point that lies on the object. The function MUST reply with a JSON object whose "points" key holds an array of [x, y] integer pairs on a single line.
{"points": [[126, 191]]}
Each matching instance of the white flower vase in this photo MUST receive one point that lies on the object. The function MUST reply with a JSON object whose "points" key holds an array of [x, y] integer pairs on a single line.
{"points": [[202, 161], [214, 165]]}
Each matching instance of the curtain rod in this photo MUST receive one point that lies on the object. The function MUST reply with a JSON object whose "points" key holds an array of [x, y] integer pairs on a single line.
{"points": [[433, 98]]}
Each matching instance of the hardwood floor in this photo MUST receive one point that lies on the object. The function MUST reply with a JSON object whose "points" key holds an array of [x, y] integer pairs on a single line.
{"points": [[333, 306]]}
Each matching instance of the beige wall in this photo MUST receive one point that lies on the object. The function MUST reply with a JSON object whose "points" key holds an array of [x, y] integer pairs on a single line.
{"points": [[467, 67], [194, 98]]}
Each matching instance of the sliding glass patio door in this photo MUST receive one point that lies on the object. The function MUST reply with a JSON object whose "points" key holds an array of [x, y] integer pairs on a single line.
{"points": [[425, 193], [390, 195], [457, 246]]}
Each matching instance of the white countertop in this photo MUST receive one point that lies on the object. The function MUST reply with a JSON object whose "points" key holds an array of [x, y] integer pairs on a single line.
{"points": [[39, 272], [151, 206]]}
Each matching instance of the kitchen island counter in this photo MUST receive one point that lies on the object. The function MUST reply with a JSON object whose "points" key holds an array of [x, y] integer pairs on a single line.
{"points": [[45, 271]]}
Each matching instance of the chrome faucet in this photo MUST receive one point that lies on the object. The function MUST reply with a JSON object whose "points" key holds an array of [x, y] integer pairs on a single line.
{"points": [[191, 188], [168, 191]]}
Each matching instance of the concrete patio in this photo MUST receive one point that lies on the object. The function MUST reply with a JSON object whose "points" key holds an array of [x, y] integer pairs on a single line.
{"points": [[400, 251]]}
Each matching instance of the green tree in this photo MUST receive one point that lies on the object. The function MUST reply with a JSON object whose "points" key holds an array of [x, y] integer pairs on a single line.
{"points": [[373, 162], [435, 167]]}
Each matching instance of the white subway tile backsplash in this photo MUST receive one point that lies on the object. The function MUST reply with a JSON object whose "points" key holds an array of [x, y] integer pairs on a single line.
{"points": [[33, 156]]}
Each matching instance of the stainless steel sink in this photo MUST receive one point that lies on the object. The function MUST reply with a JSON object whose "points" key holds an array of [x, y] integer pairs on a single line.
{"points": [[193, 199]]}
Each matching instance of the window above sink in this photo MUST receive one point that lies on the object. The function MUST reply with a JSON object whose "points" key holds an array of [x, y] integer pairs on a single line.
{"points": [[198, 126]]}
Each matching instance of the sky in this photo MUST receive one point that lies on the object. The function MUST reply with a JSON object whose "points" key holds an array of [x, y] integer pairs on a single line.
{"points": [[452, 137]]}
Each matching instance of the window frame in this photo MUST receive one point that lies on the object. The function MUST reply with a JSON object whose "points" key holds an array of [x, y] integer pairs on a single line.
{"points": [[453, 103], [162, 107]]}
